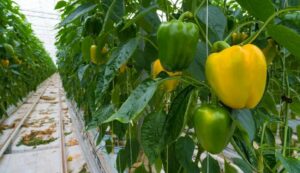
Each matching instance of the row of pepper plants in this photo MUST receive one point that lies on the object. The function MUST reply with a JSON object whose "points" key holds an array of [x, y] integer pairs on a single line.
{"points": [[24, 63], [181, 80]]}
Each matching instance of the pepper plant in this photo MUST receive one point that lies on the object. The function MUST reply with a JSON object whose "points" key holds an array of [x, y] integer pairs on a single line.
{"points": [[24, 63], [139, 71]]}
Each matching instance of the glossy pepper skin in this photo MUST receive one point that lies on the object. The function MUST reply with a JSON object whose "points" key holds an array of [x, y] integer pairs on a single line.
{"points": [[213, 127], [177, 43], [93, 55], [169, 85], [238, 75]]}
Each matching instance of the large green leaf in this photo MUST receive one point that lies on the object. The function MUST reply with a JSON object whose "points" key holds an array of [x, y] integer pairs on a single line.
{"points": [[143, 12], [244, 121], [60, 4], [79, 11], [119, 57], [290, 164], [216, 20], [151, 135], [169, 159], [85, 48], [114, 13], [242, 165], [177, 115], [184, 152], [261, 9], [209, 165], [286, 37], [136, 102]]}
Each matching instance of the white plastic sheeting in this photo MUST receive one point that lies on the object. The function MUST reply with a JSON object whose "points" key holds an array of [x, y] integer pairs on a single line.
{"points": [[43, 17]]}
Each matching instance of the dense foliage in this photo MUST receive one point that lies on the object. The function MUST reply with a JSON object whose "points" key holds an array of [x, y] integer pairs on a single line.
{"points": [[106, 50], [24, 61]]}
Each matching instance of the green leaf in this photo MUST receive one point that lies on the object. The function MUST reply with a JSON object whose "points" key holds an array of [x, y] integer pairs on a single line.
{"points": [[149, 21], [81, 71], [141, 169], [151, 135], [79, 11], [60, 4], [121, 161], [261, 9], [184, 151], [216, 20], [114, 13], [177, 115], [298, 131], [119, 57], [108, 146], [286, 37], [268, 103], [85, 48], [229, 168], [210, 165], [100, 115], [169, 159], [136, 102], [290, 164], [244, 121], [242, 165], [140, 15], [295, 108]]}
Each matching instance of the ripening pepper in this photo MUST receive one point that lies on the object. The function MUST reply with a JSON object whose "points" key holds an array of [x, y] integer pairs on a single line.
{"points": [[97, 56], [237, 75], [169, 85], [213, 127], [93, 54], [270, 51], [238, 37], [177, 43], [5, 62]]}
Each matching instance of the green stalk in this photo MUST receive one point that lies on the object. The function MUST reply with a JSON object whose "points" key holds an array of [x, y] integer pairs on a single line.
{"points": [[239, 27], [252, 38], [286, 109]]}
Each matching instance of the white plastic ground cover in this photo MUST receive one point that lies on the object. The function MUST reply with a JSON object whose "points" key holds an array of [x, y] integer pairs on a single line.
{"points": [[35, 159], [12, 121]]}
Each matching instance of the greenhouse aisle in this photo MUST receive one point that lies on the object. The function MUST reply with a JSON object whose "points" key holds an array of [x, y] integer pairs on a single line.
{"points": [[45, 141]]}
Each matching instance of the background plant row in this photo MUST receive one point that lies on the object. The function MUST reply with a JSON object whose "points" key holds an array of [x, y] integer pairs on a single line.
{"points": [[29, 63]]}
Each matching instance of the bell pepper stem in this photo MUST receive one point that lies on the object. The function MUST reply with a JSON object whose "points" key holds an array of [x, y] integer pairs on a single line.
{"points": [[184, 15], [219, 46]]}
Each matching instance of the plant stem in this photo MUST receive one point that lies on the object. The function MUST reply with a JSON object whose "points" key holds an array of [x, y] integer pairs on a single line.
{"points": [[252, 38], [186, 14], [238, 27], [237, 149], [150, 41], [286, 109]]}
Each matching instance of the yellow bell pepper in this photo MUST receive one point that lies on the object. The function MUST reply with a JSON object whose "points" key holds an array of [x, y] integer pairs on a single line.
{"points": [[169, 85], [238, 75]]}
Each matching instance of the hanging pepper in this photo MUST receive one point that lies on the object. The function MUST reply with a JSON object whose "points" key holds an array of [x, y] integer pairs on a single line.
{"points": [[238, 75], [177, 43], [169, 85], [213, 127], [5, 62], [270, 51]]}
